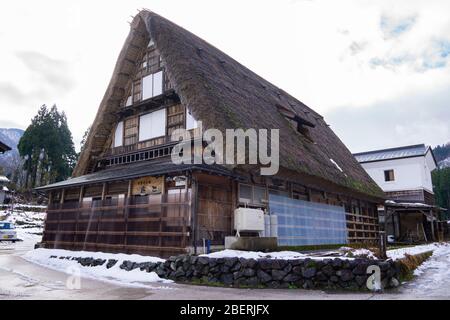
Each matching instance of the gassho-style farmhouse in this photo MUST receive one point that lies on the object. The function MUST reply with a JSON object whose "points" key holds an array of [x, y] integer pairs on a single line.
{"points": [[126, 195]]}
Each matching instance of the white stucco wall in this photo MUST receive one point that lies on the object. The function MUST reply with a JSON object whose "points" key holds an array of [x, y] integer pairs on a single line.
{"points": [[409, 173]]}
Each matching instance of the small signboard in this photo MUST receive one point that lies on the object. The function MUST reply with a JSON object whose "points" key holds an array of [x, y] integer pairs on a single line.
{"points": [[148, 185]]}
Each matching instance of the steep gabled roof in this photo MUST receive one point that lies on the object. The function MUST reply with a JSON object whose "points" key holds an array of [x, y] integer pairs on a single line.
{"points": [[225, 94], [416, 150]]}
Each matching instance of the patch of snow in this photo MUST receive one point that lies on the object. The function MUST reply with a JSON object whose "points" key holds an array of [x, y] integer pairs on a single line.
{"points": [[396, 254], [358, 253], [434, 275], [283, 255], [134, 278], [337, 166], [29, 225]]}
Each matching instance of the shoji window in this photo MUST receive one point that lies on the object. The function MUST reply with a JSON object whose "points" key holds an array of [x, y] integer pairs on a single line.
{"points": [[152, 85], [152, 125], [191, 123], [130, 131], [118, 135]]}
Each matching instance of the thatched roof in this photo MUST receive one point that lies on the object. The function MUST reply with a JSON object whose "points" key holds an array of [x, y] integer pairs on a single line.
{"points": [[225, 94]]}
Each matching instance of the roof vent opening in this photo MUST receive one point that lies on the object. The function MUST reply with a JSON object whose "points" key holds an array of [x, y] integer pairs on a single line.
{"points": [[300, 124], [200, 52]]}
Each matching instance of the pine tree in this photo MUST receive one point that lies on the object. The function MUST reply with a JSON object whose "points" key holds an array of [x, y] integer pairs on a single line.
{"points": [[441, 187], [47, 148]]}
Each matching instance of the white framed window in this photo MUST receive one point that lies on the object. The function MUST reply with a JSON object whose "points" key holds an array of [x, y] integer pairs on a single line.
{"points": [[152, 85], [191, 123], [152, 125], [118, 135], [157, 83]]}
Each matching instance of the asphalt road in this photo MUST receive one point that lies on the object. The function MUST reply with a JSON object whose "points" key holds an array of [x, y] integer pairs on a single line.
{"points": [[20, 279]]}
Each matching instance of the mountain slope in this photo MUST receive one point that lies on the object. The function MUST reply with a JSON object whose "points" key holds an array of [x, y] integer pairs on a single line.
{"points": [[442, 154], [10, 159]]}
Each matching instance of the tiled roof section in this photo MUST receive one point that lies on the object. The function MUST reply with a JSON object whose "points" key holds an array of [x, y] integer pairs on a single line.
{"points": [[393, 153]]}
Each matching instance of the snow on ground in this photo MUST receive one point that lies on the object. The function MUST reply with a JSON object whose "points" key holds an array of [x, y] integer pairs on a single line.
{"points": [[434, 280], [285, 255], [359, 253], [29, 225], [342, 253], [396, 254], [134, 278]]}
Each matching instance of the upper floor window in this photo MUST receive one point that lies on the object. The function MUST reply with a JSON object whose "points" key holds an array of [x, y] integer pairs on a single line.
{"points": [[252, 195], [152, 85], [191, 123], [152, 125], [118, 135], [129, 101], [389, 175]]}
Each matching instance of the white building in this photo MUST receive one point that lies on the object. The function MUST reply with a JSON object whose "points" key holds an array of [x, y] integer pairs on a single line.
{"points": [[403, 173]]}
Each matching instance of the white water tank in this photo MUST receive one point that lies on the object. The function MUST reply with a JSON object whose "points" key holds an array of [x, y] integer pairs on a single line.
{"points": [[247, 219]]}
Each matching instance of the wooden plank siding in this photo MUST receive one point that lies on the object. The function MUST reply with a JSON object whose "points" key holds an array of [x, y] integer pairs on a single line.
{"points": [[215, 208], [107, 217], [153, 224]]}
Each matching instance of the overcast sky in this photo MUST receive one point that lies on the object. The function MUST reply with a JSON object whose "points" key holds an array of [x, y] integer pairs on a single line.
{"points": [[379, 71]]}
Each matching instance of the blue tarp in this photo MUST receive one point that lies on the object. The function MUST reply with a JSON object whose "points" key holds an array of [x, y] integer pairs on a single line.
{"points": [[308, 223]]}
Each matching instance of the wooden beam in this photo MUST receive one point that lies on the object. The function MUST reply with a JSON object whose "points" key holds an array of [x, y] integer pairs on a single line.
{"points": [[63, 193], [81, 194], [433, 237], [103, 191]]}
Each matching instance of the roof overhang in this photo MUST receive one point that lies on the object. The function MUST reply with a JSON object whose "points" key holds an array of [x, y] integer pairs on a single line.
{"points": [[4, 147], [128, 172]]}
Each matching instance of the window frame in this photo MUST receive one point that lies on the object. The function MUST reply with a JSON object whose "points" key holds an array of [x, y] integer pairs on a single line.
{"points": [[389, 175], [140, 125], [145, 84]]}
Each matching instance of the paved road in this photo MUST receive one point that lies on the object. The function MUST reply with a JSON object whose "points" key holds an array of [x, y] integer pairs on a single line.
{"points": [[20, 279]]}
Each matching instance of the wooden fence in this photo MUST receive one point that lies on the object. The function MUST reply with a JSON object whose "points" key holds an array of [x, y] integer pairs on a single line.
{"points": [[155, 225]]}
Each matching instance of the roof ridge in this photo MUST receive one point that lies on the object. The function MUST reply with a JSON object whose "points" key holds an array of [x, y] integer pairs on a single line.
{"points": [[391, 149]]}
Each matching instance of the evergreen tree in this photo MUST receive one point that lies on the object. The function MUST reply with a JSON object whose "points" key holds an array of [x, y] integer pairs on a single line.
{"points": [[441, 186], [47, 148]]}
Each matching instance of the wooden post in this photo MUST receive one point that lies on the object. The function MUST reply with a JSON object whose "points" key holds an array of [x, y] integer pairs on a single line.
{"points": [[393, 226], [433, 237], [234, 202], [63, 192], [125, 213], [194, 187], [77, 218], [185, 211], [103, 192], [50, 198], [383, 244]]}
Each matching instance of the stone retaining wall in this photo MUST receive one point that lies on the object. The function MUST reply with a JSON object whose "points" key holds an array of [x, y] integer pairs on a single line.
{"points": [[271, 273], [274, 273]]}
